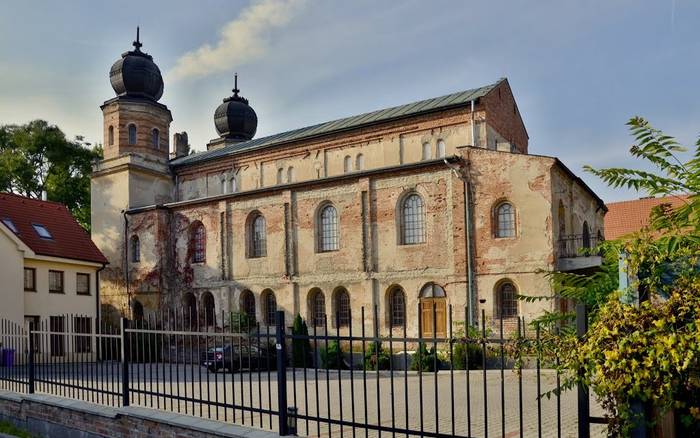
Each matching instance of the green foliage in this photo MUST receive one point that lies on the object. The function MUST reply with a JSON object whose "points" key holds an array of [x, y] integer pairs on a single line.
{"points": [[38, 157], [301, 348], [10, 429], [376, 357], [466, 346], [241, 322], [424, 359], [332, 356]]}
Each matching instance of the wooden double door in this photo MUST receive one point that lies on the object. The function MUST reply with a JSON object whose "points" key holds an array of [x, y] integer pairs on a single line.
{"points": [[433, 315]]}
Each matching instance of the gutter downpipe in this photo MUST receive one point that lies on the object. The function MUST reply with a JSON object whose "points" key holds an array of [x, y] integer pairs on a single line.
{"points": [[126, 259]]}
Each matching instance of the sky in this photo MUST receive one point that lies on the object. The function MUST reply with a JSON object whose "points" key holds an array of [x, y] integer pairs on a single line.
{"points": [[579, 69]]}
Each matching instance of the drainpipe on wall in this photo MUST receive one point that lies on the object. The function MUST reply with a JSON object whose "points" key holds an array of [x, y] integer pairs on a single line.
{"points": [[97, 291], [126, 260]]}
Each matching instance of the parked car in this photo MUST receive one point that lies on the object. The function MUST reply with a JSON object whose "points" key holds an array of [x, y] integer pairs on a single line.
{"points": [[236, 357]]}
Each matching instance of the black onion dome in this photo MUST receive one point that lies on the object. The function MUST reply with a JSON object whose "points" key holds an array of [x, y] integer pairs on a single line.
{"points": [[234, 119], [135, 74]]}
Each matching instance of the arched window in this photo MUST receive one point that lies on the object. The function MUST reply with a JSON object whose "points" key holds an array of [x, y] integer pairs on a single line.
{"points": [[561, 218], [347, 164], [441, 148], [328, 229], [359, 162], [190, 304], [135, 249], [505, 220], [270, 303], [155, 138], [247, 303], [137, 310], [427, 152], [110, 135], [234, 185], [586, 237], [290, 174], [257, 236], [132, 133], [342, 307], [412, 220], [280, 172], [506, 300], [397, 307], [318, 308], [209, 309], [199, 243]]}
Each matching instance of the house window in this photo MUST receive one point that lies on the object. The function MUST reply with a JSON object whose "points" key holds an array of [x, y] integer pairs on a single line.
{"points": [[427, 152], [441, 149], [110, 135], [82, 327], [155, 138], [56, 282], [33, 324], [135, 249], [234, 185], [199, 243], [505, 220], [11, 225], [270, 307], [586, 235], [347, 164], [359, 162], [412, 223], [397, 308], [82, 284], [280, 172], [209, 309], [137, 310], [42, 231], [30, 279], [506, 300], [247, 303], [57, 325], [318, 309], [258, 237], [328, 229], [132, 134], [342, 308]]}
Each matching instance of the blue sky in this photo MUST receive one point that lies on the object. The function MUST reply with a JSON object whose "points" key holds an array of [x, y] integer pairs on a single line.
{"points": [[579, 69]]}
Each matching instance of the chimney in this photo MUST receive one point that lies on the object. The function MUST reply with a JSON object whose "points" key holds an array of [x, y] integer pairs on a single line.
{"points": [[182, 146], [44, 195]]}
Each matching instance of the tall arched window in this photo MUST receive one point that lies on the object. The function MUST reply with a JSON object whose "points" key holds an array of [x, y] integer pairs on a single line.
{"points": [[342, 307], [412, 220], [359, 162], [441, 148], [505, 220], [190, 303], [506, 300], [270, 303], [257, 236], [318, 308], [234, 185], [586, 235], [110, 135], [347, 164], [199, 243], [137, 310], [427, 153], [247, 303], [397, 307], [209, 309], [328, 229], [132, 133], [155, 138], [280, 172], [135, 249], [290, 174]]}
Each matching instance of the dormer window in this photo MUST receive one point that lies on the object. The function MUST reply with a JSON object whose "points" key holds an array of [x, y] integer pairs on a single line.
{"points": [[11, 225], [42, 231]]}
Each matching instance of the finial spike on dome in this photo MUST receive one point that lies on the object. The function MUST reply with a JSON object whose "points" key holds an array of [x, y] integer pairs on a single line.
{"points": [[235, 84], [137, 43]]}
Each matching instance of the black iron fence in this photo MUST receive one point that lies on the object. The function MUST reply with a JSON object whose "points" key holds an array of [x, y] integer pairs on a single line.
{"points": [[326, 382]]}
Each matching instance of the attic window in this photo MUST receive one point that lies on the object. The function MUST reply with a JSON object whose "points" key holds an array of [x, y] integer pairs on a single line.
{"points": [[42, 231], [11, 225]]}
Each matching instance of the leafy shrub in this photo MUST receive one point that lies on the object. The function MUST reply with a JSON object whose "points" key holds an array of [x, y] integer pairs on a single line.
{"points": [[332, 356], [460, 350], [241, 322], [301, 348], [425, 359], [376, 357]]}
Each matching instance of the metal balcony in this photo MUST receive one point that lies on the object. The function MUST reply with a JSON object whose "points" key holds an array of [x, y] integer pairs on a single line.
{"points": [[575, 252]]}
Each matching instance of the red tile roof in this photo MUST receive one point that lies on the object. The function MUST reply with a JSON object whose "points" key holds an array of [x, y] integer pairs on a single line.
{"points": [[629, 216], [69, 240]]}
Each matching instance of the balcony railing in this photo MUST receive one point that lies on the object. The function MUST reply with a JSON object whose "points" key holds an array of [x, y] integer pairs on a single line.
{"points": [[578, 245]]}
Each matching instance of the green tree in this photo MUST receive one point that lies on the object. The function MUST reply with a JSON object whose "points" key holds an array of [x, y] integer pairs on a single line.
{"points": [[301, 347], [37, 157]]}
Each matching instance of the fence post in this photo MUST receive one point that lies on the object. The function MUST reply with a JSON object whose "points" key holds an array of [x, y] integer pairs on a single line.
{"points": [[281, 347], [125, 361], [31, 358], [584, 420]]}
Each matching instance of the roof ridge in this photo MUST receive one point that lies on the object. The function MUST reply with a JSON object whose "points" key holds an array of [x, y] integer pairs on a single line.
{"points": [[41, 201]]}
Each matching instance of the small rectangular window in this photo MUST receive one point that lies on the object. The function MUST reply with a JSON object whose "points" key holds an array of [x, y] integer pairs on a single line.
{"points": [[11, 225], [30, 279], [82, 327], [82, 284], [42, 231], [57, 339], [56, 282]]}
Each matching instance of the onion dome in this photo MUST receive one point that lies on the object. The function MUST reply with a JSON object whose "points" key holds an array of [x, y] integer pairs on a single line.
{"points": [[135, 74], [234, 119]]}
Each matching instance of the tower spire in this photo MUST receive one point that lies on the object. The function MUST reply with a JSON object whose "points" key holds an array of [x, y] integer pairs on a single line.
{"points": [[137, 43], [235, 84]]}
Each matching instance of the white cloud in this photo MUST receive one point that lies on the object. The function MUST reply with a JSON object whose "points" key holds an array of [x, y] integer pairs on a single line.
{"points": [[243, 40]]}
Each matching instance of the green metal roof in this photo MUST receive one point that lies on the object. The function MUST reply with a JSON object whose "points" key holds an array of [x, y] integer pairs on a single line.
{"points": [[424, 106]]}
